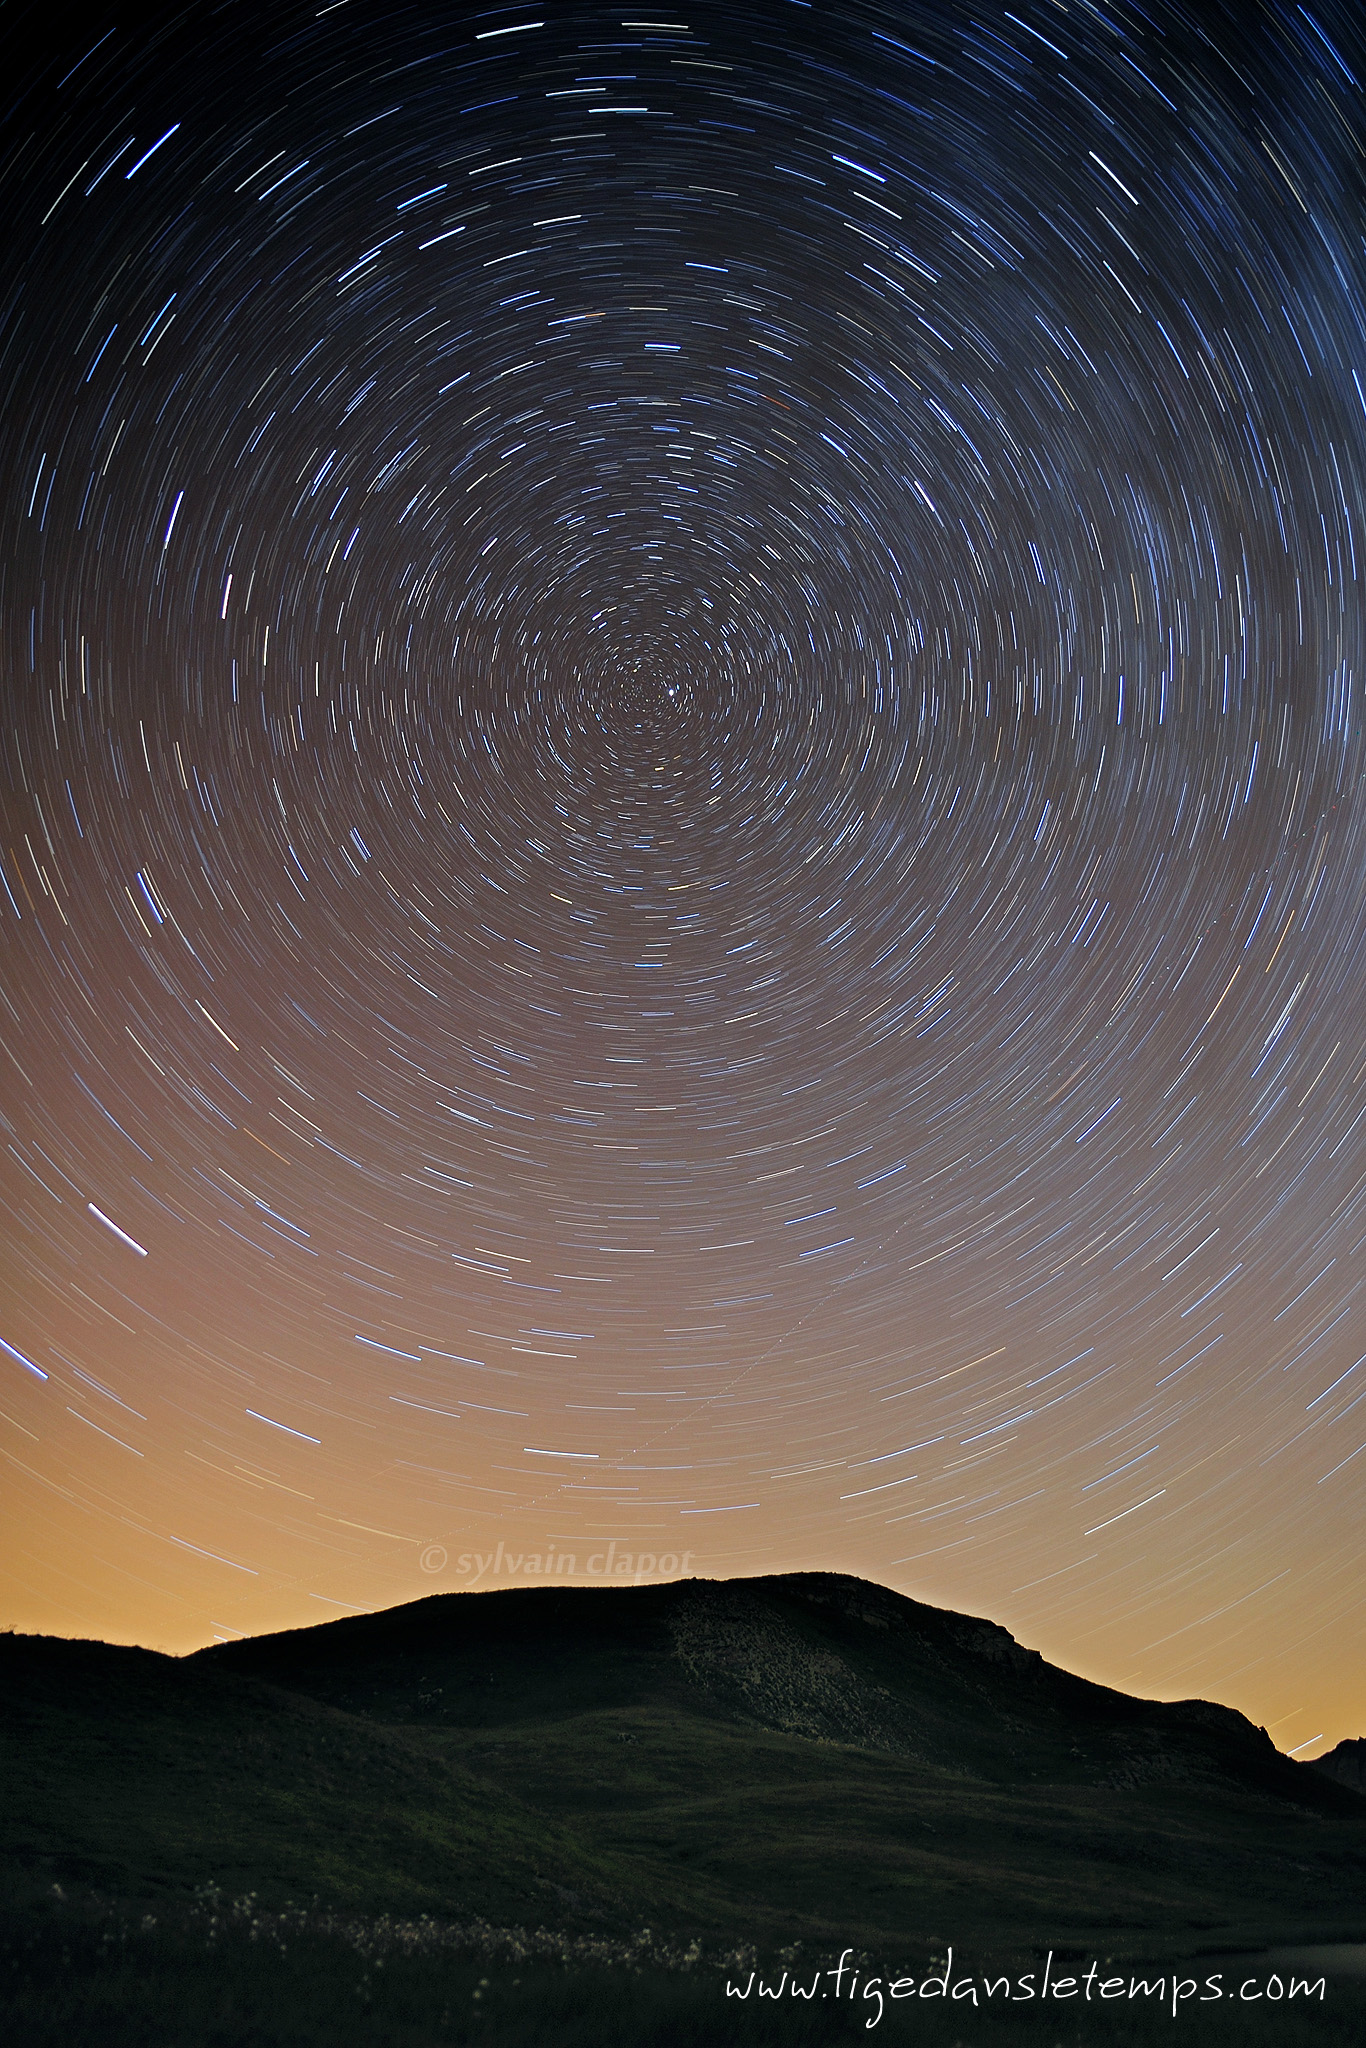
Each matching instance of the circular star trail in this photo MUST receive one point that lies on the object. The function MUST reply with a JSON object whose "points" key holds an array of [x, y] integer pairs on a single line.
{"points": [[683, 822]]}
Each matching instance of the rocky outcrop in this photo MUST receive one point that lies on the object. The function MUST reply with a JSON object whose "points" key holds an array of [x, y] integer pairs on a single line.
{"points": [[755, 1663]]}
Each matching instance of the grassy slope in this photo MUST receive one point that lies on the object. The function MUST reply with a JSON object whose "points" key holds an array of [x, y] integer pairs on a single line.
{"points": [[735, 1831], [142, 1774], [606, 1758]]}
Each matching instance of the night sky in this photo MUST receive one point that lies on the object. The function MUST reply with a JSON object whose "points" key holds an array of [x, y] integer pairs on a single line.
{"points": [[683, 817]]}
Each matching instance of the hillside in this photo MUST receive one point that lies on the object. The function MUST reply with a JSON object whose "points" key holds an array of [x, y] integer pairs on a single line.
{"points": [[803, 1757], [1346, 1764]]}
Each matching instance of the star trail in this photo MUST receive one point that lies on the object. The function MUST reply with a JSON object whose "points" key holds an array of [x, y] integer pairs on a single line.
{"points": [[683, 821]]}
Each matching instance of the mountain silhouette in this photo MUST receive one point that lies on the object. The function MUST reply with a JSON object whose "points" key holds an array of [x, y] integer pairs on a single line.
{"points": [[800, 1756], [812, 1654]]}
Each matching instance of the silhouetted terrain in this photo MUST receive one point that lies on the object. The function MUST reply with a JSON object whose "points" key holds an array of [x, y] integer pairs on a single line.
{"points": [[1346, 1763], [805, 1757]]}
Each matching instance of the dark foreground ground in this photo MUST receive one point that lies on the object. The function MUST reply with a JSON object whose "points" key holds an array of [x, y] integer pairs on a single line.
{"points": [[76, 1974], [316, 1838]]}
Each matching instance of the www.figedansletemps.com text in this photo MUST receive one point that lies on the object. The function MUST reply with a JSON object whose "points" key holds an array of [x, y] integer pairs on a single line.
{"points": [[1168, 1987]]}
